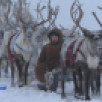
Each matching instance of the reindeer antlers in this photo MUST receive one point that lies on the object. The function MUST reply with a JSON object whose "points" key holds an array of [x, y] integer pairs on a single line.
{"points": [[39, 10], [51, 13], [97, 19], [75, 12]]}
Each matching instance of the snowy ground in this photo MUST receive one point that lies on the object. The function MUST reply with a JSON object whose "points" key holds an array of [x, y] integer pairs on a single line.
{"points": [[31, 93]]}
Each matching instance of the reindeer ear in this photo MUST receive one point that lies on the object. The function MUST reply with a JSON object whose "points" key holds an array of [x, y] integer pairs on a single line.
{"points": [[87, 33]]}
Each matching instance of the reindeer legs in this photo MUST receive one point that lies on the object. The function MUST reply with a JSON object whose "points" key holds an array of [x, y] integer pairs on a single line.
{"points": [[98, 81], [20, 72], [87, 79], [0, 68], [12, 74], [6, 68], [62, 85], [26, 73]]}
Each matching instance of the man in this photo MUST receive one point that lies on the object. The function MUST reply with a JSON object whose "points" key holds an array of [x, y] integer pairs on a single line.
{"points": [[49, 58]]}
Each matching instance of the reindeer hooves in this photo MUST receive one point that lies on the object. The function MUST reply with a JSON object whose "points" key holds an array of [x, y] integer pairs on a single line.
{"points": [[21, 85], [63, 95], [6, 75], [12, 85], [98, 92], [80, 97], [87, 98]]}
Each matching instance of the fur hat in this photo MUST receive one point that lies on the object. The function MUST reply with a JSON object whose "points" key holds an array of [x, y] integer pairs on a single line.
{"points": [[55, 32]]}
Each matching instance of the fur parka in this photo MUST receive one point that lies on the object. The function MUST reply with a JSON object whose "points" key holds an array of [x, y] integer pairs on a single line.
{"points": [[49, 57]]}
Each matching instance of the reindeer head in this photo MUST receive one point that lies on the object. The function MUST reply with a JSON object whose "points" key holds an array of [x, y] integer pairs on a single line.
{"points": [[94, 36], [28, 30]]}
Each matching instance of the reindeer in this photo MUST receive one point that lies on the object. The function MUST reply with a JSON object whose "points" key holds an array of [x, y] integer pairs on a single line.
{"points": [[22, 46], [85, 53], [5, 7]]}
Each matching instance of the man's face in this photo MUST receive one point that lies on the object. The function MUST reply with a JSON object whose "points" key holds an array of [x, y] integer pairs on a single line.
{"points": [[54, 38]]}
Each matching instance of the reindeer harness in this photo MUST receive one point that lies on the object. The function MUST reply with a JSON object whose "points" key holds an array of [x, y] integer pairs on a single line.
{"points": [[70, 54], [10, 47]]}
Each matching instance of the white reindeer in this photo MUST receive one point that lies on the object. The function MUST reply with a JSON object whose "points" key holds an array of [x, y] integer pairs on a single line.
{"points": [[82, 54]]}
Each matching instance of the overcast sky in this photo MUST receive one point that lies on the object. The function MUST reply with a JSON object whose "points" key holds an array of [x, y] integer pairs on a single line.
{"points": [[88, 21]]}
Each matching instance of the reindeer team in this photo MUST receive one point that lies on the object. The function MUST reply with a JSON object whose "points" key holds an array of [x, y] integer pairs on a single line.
{"points": [[22, 36]]}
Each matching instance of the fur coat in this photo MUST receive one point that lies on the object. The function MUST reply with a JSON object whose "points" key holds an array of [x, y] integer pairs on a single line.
{"points": [[49, 57]]}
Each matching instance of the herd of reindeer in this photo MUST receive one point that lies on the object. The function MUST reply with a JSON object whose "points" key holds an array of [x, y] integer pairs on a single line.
{"points": [[21, 36]]}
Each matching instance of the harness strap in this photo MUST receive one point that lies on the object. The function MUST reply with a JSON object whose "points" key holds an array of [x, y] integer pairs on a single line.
{"points": [[17, 45], [69, 53], [72, 46], [75, 54], [70, 56], [82, 54], [9, 51]]}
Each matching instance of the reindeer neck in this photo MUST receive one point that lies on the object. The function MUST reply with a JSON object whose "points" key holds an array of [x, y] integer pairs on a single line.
{"points": [[23, 37], [91, 45], [25, 40]]}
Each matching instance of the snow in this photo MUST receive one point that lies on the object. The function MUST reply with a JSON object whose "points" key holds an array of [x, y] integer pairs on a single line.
{"points": [[31, 93], [25, 94]]}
